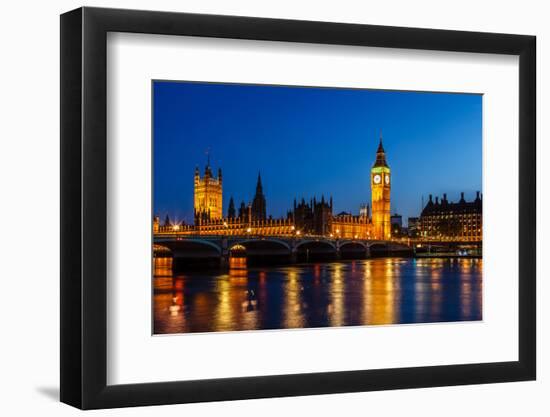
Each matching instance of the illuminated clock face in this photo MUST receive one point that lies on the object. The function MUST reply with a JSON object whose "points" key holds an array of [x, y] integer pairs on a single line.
{"points": [[377, 179], [387, 179]]}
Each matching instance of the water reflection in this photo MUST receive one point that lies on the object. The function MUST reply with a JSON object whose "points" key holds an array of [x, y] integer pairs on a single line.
{"points": [[336, 307], [292, 309], [360, 292]]}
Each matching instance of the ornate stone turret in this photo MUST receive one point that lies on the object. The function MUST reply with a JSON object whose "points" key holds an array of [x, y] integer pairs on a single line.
{"points": [[243, 212], [208, 201]]}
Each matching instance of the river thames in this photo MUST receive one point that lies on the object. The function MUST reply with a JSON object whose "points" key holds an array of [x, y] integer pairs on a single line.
{"points": [[348, 293]]}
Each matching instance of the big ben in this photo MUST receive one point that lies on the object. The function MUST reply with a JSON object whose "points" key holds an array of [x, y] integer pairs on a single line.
{"points": [[380, 190]]}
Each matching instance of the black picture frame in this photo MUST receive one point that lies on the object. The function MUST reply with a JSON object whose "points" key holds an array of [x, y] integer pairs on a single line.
{"points": [[84, 207]]}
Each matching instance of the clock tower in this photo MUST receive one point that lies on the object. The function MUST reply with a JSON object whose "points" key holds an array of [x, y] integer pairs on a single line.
{"points": [[380, 181]]}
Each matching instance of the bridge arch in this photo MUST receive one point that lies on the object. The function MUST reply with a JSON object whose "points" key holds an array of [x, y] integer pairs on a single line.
{"points": [[353, 249], [192, 252], [259, 251], [315, 249], [193, 243], [161, 249], [249, 243], [378, 245], [316, 242], [345, 243]]}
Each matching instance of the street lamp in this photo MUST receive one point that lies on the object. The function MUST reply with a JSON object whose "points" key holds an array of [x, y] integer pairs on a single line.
{"points": [[175, 229]]}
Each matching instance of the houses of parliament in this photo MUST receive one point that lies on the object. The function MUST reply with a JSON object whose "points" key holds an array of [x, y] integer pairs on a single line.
{"points": [[306, 217]]}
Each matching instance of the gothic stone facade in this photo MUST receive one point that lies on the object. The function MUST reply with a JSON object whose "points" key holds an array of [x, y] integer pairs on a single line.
{"points": [[308, 218], [208, 199]]}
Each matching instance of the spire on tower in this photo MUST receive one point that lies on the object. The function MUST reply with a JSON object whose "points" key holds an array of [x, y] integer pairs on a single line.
{"points": [[259, 188], [380, 155], [258, 206], [380, 146], [231, 211]]}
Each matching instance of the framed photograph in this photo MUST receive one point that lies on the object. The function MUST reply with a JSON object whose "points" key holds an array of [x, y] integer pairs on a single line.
{"points": [[256, 208]]}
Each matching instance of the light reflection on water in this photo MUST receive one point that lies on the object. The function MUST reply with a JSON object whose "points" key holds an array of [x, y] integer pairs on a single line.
{"points": [[360, 292]]}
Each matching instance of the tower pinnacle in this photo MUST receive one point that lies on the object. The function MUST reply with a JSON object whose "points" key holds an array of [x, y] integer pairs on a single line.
{"points": [[259, 203], [259, 188], [380, 146], [380, 155]]}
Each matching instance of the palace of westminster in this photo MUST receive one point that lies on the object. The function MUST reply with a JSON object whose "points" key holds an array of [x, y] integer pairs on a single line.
{"points": [[461, 220]]}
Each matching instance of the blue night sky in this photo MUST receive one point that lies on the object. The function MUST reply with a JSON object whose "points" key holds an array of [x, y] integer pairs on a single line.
{"points": [[312, 141]]}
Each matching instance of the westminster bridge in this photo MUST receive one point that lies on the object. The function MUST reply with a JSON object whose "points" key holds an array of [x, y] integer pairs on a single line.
{"points": [[190, 249]]}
